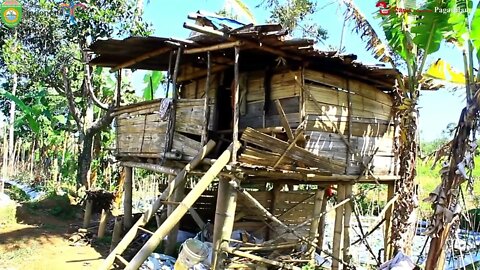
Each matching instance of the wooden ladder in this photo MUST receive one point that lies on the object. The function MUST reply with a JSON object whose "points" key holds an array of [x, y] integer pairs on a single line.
{"points": [[177, 214]]}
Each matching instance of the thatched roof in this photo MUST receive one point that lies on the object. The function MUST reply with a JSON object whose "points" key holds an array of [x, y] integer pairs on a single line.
{"points": [[260, 45]]}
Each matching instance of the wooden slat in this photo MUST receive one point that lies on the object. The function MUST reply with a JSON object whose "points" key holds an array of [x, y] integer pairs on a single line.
{"points": [[275, 145]]}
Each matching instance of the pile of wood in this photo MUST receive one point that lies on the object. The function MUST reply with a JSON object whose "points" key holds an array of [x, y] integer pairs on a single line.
{"points": [[102, 200], [268, 151]]}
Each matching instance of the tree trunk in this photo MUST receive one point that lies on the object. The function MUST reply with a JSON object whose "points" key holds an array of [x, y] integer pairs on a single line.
{"points": [[84, 161], [11, 138]]}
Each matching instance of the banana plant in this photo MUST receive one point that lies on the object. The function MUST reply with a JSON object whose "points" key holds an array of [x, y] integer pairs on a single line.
{"points": [[153, 79], [411, 36]]}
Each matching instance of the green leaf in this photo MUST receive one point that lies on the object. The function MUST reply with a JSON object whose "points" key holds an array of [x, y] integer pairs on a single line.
{"points": [[153, 80], [29, 113], [61, 119], [475, 30]]}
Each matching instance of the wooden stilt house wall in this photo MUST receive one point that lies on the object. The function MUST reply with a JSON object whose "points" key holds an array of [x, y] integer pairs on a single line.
{"points": [[279, 112]]}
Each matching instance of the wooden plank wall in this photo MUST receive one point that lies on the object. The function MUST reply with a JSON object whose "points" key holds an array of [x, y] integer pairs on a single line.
{"points": [[283, 87], [141, 132], [372, 125], [195, 89]]}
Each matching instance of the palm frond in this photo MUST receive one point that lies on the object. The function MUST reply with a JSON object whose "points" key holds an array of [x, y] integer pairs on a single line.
{"points": [[380, 50]]}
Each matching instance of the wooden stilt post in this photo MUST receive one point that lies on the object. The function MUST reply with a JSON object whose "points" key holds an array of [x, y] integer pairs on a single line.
{"points": [[103, 223], [273, 205], [337, 233], [388, 223], [178, 195], [346, 224], [224, 219], [117, 232], [321, 226], [127, 200], [206, 105], [182, 208], [317, 210], [88, 214], [236, 107]]}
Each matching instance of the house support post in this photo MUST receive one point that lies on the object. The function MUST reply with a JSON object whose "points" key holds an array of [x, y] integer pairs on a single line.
{"points": [[178, 195], [346, 224], [388, 247], [206, 107], [337, 233], [317, 210], [127, 200], [224, 219], [321, 226], [236, 107]]}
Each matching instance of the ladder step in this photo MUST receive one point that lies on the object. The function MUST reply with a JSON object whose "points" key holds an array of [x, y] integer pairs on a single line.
{"points": [[145, 230], [121, 259]]}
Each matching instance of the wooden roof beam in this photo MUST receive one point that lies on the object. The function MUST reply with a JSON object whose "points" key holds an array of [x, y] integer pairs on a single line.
{"points": [[249, 43], [141, 58], [214, 47]]}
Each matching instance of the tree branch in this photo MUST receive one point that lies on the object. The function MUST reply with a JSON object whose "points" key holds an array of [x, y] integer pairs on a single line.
{"points": [[88, 85], [102, 122], [71, 100]]}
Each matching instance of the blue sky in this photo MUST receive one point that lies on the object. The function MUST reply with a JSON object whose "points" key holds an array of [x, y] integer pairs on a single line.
{"points": [[437, 109]]}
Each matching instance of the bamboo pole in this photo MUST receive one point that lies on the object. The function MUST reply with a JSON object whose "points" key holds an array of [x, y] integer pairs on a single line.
{"points": [[118, 96], [188, 202], [270, 247], [149, 166], [236, 106], [173, 109], [273, 204], [346, 224], [206, 105], [284, 120], [317, 210], [321, 226], [127, 199], [88, 214], [260, 259], [117, 232], [388, 224], [103, 223], [178, 195], [337, 233], [224, 219], [292, 144], [141, 58], [222, 46]]}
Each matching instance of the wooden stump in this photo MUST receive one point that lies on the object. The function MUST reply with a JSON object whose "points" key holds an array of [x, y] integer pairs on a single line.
{"points": [[117, 232], [103, 223], [88, 214]]}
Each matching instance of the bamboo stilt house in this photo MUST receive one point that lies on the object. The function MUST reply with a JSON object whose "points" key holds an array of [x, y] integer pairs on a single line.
{"points": [[285, 113]]}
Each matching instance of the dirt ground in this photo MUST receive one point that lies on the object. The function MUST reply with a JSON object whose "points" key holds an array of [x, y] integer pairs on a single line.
{"points": [[39, 241]]}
